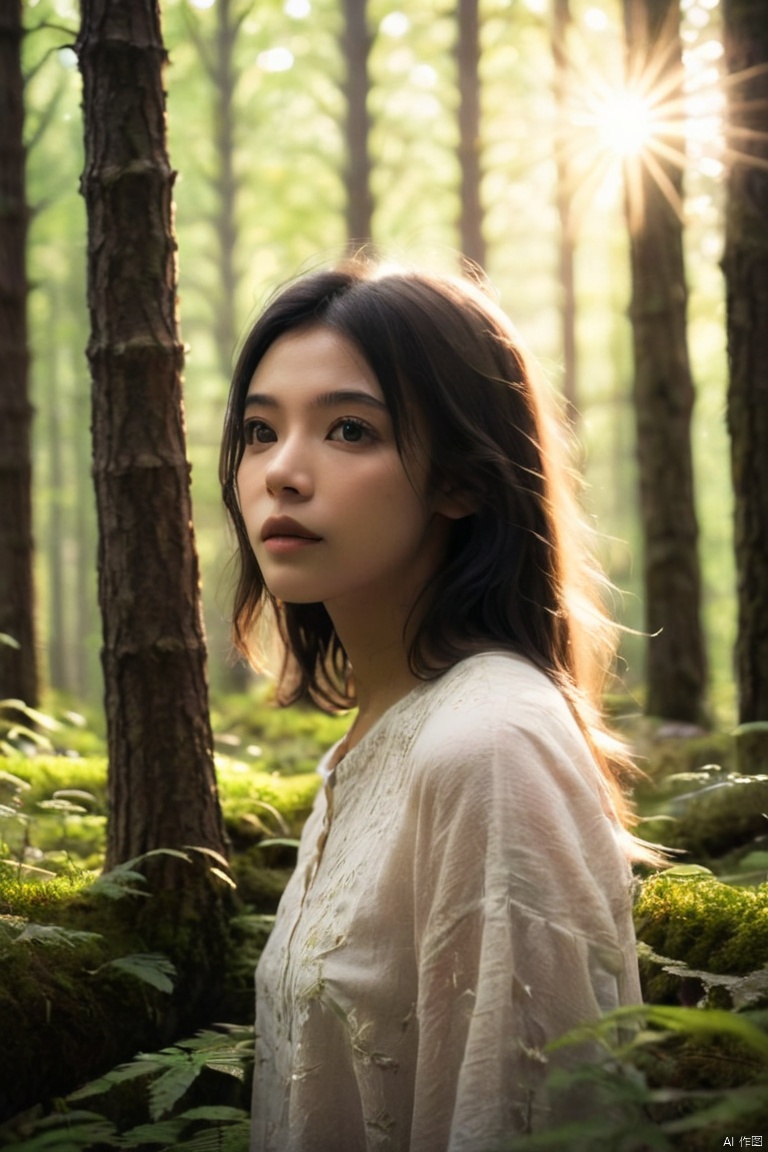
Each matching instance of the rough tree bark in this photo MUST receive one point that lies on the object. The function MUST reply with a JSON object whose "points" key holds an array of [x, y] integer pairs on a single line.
{"points": [[561, 23], [356, 47], [472, 240], [745, 265], [18, 669], [676, 673], [162, 789]]}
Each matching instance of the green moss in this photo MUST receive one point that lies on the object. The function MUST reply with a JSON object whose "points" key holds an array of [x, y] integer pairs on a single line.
{"points": [[285, 741], [48, 774], [246, 792], [709, 925], [715, 816], [65, 1013], [36, 901], [260, 883]]}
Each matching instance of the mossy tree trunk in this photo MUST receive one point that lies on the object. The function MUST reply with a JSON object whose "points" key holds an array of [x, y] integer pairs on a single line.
{"points": [[162, 789], [472, 240], [745, 265], [18, 669], [356, 48], [676, 672]]}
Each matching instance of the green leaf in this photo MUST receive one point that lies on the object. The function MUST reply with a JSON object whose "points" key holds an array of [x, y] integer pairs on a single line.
{"points": [[151, 967], [74, 1132], [163, 1132], [66, 807], [220, 874], [10, 642], [171, 1086], [234, 1138], [220, 1112], [36, 738], [751, 726], [727, 1107], [74, 794], [33, 714], [217, 856], [15, 781], [688, 871], [709, 1022], [55, 934], [117, 883], [105, 1083], [156, 852]]}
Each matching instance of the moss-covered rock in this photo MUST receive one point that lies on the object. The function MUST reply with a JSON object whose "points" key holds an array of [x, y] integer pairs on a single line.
{"points": [[70, 1006], [706, 924], [712, 816], [66, 1013]]}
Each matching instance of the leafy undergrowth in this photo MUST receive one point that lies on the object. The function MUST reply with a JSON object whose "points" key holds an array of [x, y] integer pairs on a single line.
{"points": [[75, 972], [702, 942]]}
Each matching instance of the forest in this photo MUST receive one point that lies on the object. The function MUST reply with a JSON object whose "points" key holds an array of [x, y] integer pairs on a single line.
{"points": [[164, 166]]}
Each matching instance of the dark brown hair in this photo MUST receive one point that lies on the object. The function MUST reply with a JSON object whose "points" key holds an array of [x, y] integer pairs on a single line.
{"points": [[516, 574]]}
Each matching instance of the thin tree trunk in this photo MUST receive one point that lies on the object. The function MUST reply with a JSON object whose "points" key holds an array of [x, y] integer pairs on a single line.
{"points": [[356, 47], [87, 678], [162, 788], [468, 68], [663, 392], [217, 57], [18, 668], [745, 265], [561, 23], [227, 26], [54, 537]]}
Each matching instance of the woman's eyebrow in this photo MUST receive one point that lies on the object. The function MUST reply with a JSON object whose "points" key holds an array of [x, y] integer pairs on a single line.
{"points": [[325, 400], [334, 399]]}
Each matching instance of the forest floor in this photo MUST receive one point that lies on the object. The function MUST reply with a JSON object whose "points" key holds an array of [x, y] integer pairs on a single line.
{"points": [[79, 976]]}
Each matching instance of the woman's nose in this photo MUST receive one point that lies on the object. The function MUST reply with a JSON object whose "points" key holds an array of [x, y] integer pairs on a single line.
{"points": [[288, 470]]}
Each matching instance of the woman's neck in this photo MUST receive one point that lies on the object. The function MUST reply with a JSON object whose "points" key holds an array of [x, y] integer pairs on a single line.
{"points": [[378, 652]]}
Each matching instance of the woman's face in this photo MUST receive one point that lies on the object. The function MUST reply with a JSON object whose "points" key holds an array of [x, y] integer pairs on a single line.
{"points": [[331, 513]]}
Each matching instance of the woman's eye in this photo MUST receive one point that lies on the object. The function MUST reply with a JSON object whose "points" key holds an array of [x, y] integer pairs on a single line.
{"points": [[351, 431], [257, 432]]}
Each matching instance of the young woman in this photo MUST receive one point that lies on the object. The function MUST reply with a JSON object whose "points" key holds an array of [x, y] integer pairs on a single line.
{"points": [[462, 892]]}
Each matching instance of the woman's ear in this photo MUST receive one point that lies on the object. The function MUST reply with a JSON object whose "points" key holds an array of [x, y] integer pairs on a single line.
{"points": [[455, 503]]}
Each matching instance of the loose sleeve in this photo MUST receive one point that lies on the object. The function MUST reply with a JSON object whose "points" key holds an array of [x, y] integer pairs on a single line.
{"points": [[522, 925]]}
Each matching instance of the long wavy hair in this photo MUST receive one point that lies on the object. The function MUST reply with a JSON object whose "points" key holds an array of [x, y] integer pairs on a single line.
{"points": [[518, 573]]}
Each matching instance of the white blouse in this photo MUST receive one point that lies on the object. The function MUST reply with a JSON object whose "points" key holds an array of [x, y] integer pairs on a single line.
{"points": [[461, 898]]}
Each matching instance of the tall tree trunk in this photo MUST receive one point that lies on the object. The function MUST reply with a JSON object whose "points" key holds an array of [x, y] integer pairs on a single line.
{"points": [[561, 23], [745, 265], [356, 47], [663, 395], [472, 240], [162, 788], [18, 668]]}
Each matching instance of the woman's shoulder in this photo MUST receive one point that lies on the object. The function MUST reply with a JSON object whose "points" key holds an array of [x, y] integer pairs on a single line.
{"points": [[496, 689], [497, 709]]}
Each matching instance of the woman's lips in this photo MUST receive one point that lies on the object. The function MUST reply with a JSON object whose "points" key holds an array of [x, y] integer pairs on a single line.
{"points": [[284, 544], [285, 527]]}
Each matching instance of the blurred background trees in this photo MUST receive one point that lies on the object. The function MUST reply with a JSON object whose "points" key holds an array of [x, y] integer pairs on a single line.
{"points": [[260, 99], [663, 390]]}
